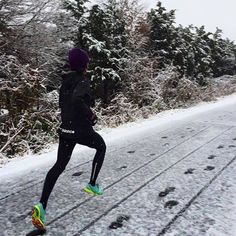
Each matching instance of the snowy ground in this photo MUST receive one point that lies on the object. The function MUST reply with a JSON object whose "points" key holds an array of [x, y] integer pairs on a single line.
{"points": [[173, 174]]}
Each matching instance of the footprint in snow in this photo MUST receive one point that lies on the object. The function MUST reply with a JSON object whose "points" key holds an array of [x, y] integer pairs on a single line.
{"points": [[210, 221], [234, 139], [119, 222], [166, 191], [212, 156], [164, 137], [122, 218], [131, 152], [220, 146], [115, 225], [78, 173], [152, 154], [171, 204], [209, 168], [231, 146], [189, 171], [122, 168]]}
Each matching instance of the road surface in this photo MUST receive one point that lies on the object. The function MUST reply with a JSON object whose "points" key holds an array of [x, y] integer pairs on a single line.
{"points": [[175, 179]]}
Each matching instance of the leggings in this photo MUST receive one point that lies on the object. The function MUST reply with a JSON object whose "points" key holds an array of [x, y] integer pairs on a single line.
{"points": [[65, 149]]}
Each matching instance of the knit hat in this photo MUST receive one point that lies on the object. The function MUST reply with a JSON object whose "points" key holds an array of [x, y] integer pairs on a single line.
{"points": [[78, 59]]}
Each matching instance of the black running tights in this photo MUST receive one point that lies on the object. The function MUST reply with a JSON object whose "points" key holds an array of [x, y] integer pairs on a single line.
{"points": [[65, 149]]}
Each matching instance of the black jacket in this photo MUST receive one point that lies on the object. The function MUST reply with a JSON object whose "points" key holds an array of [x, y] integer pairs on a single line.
{"points": [[75, 100]]}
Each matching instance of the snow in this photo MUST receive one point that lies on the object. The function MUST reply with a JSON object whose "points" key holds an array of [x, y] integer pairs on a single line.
{"points": [[19, 165], [146, 210], [233, 215], [143, 159], [3, 112]]}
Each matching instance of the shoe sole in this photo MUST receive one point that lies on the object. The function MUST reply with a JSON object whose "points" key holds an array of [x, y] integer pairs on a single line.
{"points": [[91, 192], [35, 220]]}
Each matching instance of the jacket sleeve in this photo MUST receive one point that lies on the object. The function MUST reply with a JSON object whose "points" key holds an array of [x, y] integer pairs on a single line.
{"points": [[80, 94]]}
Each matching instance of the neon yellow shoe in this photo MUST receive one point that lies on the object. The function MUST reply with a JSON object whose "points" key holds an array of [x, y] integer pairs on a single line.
{"points": [[94, 190], [38, 216]]}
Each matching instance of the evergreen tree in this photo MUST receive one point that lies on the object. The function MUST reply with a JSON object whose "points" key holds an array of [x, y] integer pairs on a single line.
{"points": [[103, 35], [223, 54], [78, 10], [195, 52], [162, 34], [184, 56], [202, 55]]}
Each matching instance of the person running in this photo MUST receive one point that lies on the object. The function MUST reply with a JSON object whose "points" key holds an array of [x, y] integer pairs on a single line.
{"points": [[76, 128]]}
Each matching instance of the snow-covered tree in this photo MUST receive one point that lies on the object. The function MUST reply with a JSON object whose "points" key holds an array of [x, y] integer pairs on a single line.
{"points": [[223, 52], [28, 57], [101, 31], [162, 34], [192, 50]]}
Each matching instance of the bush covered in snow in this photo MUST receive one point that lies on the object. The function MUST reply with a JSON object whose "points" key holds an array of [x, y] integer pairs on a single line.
{"points": [[29, 118]]}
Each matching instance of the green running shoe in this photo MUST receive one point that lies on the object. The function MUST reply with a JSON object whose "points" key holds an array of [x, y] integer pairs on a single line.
{"points": [[94, 190], [38, 216]]}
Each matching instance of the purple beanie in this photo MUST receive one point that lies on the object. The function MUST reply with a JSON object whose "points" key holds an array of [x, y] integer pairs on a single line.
{"points": [[78, 59]]}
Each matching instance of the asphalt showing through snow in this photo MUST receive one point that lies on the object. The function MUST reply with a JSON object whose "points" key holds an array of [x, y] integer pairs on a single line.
{"points": [[151, 183]]}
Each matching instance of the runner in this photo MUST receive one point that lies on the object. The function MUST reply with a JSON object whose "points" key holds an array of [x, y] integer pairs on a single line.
{"points": [[77, 127]]}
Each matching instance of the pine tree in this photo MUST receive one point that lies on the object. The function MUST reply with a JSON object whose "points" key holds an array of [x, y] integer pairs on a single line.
{"points": [[78, 9], [202, 54], [193, 51], [162, 34], [184, 55], [223, 54], [103, 34]]}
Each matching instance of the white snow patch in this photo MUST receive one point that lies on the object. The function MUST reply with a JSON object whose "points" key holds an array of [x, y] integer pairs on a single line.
{"points": [[4, 112], [234, 215]]}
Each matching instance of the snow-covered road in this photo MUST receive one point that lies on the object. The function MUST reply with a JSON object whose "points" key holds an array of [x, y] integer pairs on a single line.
{"points": [[171, 175]]}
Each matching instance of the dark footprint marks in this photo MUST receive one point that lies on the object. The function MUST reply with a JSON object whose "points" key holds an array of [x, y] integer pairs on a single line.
{"points": [[152, 154], [189, 171], [182, 136], [231, 146], [122, 168], [164, 137], [209, 168], [171, 204], [167, 191], [122, 218], [220, 146], [78, 173], [211, 156], [119, 222], [210, 221], [234, 139], [131, 152], [115, 225]]}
